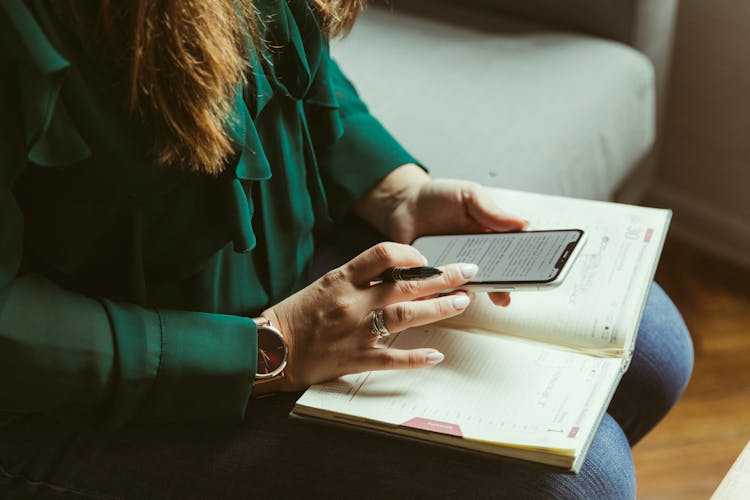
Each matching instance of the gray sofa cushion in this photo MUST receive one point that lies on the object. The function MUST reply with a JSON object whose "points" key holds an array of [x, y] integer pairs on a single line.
{"points": [[520, 107]]}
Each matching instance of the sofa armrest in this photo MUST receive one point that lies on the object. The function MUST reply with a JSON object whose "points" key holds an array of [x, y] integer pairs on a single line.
{"points": [[646, 25]]}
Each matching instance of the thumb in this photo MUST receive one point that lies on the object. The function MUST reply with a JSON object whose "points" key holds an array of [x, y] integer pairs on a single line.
{"points": [[481, 206]]}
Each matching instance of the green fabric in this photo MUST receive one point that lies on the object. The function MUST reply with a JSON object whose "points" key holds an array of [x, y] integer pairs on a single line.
{"points": [[125, 287]]}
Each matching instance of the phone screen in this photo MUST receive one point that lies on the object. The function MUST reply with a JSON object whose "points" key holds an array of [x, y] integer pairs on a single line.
{"points": [[518, 257]]}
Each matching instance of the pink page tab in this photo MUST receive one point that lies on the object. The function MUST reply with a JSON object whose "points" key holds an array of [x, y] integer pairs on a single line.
{"points": [[426, 424]]}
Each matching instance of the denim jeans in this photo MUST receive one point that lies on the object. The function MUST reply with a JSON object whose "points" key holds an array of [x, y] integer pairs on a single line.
{"points": [[271, 456]]}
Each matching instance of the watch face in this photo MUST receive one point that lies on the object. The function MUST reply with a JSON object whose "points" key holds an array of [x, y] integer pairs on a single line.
{"points": [[271, 352]]}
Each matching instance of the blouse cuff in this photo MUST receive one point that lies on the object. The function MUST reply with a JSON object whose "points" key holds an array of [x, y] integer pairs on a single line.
{"points": [[183, 366], [358, 160]]}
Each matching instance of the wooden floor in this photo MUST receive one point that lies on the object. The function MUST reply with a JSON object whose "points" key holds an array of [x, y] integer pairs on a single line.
{"points": [[689, 453]]}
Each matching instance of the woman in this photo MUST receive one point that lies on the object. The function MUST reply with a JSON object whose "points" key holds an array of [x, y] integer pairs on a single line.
{"points": [[164, 165]]}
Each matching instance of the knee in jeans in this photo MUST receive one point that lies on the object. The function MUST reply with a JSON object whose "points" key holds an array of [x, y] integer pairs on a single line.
{"points": [[608, 471], [666, 342], [610, 464]]}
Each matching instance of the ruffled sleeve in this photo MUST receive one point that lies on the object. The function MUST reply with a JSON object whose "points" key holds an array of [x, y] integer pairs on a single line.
{"points": [[50, 136], [78, 357]]}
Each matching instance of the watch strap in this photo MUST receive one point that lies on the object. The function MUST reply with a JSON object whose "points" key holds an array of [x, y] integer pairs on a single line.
{"points": [[267, 386]]}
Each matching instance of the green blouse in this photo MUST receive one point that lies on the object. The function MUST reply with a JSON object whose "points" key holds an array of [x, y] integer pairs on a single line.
{"points": [[126, 287]]}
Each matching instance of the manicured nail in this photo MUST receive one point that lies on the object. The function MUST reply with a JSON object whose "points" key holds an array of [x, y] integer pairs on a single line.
{"points": [[434, 358], [468, 271], [460, 302]]}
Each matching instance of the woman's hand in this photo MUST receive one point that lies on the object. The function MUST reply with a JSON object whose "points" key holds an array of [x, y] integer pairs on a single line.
{"points": [[447, 206], [327, 324], [408, 204]]}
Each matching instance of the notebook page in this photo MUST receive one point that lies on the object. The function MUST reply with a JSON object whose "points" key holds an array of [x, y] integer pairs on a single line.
{"points": [[488, 389], [598, 306]]}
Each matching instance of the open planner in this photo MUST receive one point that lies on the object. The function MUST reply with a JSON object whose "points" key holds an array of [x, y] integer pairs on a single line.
{"points": [[530, 381]]}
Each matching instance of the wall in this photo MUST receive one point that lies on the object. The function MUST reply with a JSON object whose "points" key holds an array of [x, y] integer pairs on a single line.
{"points": [[704, 168]]}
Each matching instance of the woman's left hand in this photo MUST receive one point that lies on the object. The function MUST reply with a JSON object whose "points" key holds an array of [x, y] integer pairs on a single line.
{"points": [[412, 204]]}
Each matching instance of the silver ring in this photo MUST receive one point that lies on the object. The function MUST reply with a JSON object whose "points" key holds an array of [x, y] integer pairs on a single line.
{"points": [[377, 325]]}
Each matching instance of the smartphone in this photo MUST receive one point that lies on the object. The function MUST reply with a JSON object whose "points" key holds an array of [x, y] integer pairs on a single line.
{"points": [[522, 260]]}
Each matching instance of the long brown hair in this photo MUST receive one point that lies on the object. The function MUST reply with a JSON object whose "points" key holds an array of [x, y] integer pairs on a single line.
{"points": [[185, 60]]}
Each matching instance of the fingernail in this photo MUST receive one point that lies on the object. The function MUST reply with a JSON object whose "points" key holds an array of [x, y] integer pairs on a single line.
{"points": [[468, 271], [434, 358], [425, 260], [460, 302]]}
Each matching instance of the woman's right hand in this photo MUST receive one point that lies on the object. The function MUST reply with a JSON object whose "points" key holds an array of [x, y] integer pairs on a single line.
{"points": [[327, 324]]}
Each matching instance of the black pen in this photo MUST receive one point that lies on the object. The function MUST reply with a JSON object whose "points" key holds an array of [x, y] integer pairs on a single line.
{"points": [[409, 273]]}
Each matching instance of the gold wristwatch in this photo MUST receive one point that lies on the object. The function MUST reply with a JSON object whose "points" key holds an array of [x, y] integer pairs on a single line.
{"points": [[272, 358]]}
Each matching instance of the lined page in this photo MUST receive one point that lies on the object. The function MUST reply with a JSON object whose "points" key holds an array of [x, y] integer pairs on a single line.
{"points": [[598, 306], [494, 389]]}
